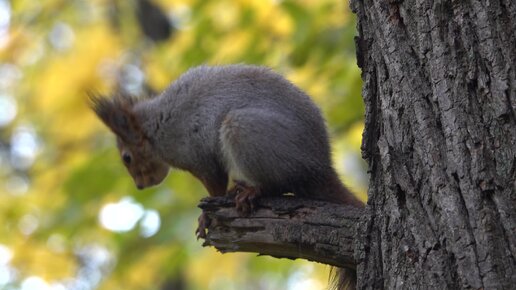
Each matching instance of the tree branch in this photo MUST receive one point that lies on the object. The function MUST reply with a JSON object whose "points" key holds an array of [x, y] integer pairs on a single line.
{"points": [[284, 227]]}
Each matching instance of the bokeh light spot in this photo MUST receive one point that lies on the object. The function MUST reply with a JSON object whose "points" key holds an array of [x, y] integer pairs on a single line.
{"points": [[150, 223], [121, 216], [8, 110]]}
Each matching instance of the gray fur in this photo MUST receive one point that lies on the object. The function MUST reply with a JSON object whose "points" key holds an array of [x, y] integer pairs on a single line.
{"points": [[236, 122], [241, 122]]}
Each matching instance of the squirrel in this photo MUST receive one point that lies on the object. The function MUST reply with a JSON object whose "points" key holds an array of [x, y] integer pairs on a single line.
{"points": [[235, 123]]}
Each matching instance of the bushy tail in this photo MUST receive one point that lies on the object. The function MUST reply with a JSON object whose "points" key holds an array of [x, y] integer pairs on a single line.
{"points": [[342, 279], [334, 191]]}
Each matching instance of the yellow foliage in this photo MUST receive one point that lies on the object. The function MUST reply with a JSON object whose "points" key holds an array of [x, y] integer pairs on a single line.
{"points": [[233, 44], [354, 135], [270, 17], [226, 14], [60, 90], [157, 75], [209, 266], [15, 45], [143, 273], [307, 78], [47, 185], [343, 147], [77, 70], [292, 37], [36, 259]]}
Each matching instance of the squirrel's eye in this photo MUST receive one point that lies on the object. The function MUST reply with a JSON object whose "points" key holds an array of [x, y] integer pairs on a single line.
{"points": [[126, 158]]}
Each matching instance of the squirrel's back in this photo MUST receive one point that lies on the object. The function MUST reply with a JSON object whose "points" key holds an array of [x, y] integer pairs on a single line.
{"points": [[240, 85], [203, 96]]}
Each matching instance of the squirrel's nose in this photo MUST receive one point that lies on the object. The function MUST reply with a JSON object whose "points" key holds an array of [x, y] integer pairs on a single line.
{"points": [[139, 186]]}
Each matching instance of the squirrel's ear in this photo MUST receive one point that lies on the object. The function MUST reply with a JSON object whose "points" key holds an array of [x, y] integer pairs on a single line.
{"points": [[117, 114]]}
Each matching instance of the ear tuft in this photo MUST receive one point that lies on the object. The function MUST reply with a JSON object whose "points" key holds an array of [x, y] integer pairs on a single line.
{"points": [[117, 113]]}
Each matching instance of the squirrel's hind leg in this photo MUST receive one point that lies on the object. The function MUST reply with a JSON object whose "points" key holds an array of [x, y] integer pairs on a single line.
{"points": [[256, 155]]}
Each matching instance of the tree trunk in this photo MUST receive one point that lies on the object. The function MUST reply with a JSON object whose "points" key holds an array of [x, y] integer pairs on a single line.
{"points": [[440, 141]]}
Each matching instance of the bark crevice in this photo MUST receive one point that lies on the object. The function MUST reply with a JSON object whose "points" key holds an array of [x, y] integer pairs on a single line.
{"points": [[440, 94]]}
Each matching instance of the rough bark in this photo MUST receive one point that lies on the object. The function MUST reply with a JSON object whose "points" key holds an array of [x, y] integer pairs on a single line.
{"points": [[284, 227], [440, 141]]}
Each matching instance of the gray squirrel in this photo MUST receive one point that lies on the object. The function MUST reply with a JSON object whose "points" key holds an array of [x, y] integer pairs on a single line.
{"points": [[239, 123]]}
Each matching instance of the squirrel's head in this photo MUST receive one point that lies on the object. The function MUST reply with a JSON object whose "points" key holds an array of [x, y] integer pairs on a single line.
{"points": [[136, 152]]}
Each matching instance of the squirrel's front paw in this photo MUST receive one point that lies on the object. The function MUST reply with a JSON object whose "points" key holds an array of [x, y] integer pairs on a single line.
{"points": [[245, 197]]}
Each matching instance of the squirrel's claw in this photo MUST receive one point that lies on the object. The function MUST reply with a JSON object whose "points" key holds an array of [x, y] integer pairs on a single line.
{"points": [[245, 197], [204, 223]]}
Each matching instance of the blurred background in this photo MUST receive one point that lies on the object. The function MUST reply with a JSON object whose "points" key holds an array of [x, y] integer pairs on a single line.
{"points": [[70, 216]]}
